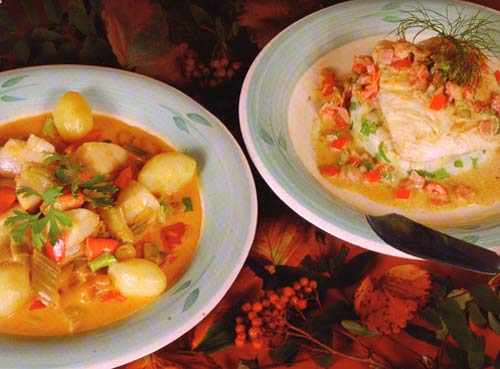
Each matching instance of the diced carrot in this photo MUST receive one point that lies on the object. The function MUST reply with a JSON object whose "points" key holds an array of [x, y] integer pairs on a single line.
{"points": [[93, 135], [373, 175], [438, 101], [96, 246], [329, 170], [339, 143], [7, 198], [402, 63], [402, 193], [124, 177], [57, 251], [497, 75], [37, 305], [353, 160]]}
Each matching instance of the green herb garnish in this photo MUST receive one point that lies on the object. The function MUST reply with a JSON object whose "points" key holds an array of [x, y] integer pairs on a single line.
{"points": [[38, 223], [188, 204], [102, 261], [463, 43], [458, 164], [381, 151], [441, 174], [367, 128]]}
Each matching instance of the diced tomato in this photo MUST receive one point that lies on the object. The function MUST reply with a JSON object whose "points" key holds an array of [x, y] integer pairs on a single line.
{"points": [[328, 80], [402, 63], [373, 175], [340, 122], [57, 251], [359, 68], [353, 160], [112, 295], [124, 177], [340, 143], [329, 170], [438, 101], [171, 235], [402, 193], [7, 198], [497, 75], [37, 305]]}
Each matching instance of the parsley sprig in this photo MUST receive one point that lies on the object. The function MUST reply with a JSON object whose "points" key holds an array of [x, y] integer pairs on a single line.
{"points": [[38, 223], [98, 190]]}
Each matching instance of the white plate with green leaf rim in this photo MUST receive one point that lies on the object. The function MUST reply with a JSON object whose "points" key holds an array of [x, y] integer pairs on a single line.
{"points": [[228, 198], [276, 115]]}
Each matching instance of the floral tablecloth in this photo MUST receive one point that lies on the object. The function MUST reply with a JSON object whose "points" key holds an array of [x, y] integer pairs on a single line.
{"points": [[304, 299]]}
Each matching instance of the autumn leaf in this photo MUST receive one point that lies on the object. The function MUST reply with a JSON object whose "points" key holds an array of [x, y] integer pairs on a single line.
{"points": [[138, 34], [264, 19], [284, 241], [246, 286], [164, 359], [388, 303]]}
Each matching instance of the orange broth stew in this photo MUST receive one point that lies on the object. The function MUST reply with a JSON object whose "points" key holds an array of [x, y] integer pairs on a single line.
{"points": [[98, 220]]}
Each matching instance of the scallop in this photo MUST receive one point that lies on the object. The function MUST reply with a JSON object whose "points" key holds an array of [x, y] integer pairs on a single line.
{"points": [[138, 278]]}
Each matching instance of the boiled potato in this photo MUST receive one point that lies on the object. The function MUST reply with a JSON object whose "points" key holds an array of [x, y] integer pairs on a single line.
{"points": [[14, 288], [73, 116], [166, 173], [101, 157], [138, 278]]}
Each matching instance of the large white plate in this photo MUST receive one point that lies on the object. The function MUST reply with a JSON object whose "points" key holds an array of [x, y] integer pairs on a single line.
{"points": [[228, 199], [276, 114]]}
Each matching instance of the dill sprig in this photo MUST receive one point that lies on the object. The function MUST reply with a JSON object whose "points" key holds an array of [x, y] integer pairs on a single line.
{"points": [[464, 43]]}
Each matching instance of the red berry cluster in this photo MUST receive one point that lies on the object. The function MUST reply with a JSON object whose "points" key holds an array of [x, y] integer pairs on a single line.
{"points": [[214, 74], [267, 316]]}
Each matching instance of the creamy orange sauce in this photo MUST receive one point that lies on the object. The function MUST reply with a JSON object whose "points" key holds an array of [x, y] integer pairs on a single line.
{"points": [[74, 305]]}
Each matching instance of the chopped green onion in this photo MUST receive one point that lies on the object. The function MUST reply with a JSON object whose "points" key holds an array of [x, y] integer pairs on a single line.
{"points": [[353, 105], [458, 164], [49, 127], [382, 152], [366, 128], [102, 261], [441, 174], [474, 162], [188, 204], [424, 173]]}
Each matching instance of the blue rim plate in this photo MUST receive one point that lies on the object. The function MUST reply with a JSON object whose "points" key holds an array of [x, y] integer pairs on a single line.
{"points": [[228, 198], [272, 119]]}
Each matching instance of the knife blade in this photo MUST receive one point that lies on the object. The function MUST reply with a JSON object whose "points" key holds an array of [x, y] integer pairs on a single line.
{"points": [[421, 241]]}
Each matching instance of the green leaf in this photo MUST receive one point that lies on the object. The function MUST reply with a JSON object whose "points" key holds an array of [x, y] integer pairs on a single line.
{"points": [[52, 11], [200, 16], [324, 361], [431, 316], [494, 323], [357, 329], [8, 98], [191, 299], [265, 136], [311, 265], [475, 314], [197, 118], [486, 298], [286, 352], [6, 22], [80, 19], [354, 270], [183, 286], [422, 334], [21, 51], [219, 336], [45, 34], [457, 324], [13, 81], [220, 30], [181, 124], [461, 296], [49, 128], [30, 11], [336, 263]]}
